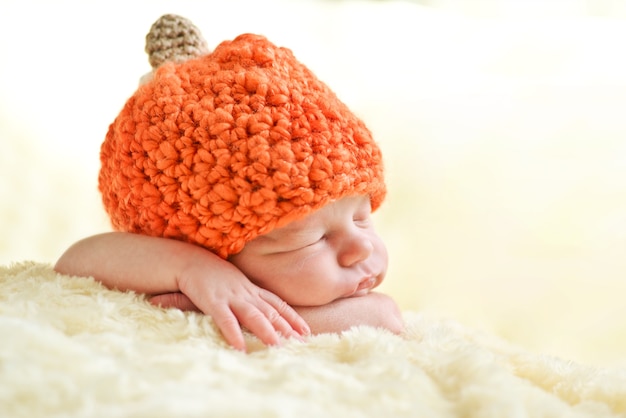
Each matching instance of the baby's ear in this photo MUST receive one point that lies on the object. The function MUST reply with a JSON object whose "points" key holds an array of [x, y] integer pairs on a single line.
{"points": [[172, 38]]}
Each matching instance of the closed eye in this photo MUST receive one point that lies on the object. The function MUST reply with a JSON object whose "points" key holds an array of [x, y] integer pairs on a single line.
{"points": [[362, 221], [362, 214], [320, 239], [303, 244]]}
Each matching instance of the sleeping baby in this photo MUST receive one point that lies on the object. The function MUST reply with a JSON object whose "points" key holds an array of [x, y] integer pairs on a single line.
{"points": [[242, 187]]}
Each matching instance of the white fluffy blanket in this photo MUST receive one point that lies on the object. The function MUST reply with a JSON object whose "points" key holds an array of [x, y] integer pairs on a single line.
{"points": [[72, 348]]}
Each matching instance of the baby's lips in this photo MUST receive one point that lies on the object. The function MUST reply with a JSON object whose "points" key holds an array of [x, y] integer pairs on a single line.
{"points": [[365, 286], [367, 283]]}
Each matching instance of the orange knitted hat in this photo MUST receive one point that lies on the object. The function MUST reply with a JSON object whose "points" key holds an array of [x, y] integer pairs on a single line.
{"points": [[219, 148]]}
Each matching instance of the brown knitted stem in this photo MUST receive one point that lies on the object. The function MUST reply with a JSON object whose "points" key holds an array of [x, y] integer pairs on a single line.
{"points": [[174, 38]]}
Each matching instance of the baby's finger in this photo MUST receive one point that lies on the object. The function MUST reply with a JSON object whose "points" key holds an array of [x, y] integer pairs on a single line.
{"points": [[278, 323], [253, 319], [281, 325], [227, 323], [286, 313]]}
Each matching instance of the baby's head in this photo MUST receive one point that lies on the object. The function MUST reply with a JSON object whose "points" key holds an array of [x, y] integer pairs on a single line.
{"points": [[218, 148]]}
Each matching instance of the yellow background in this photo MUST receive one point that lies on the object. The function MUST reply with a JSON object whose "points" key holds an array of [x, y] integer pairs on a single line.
{"points": [[503, 125]]}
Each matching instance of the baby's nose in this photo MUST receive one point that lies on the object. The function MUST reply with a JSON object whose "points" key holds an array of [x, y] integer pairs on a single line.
{"points": [[356, 249]]}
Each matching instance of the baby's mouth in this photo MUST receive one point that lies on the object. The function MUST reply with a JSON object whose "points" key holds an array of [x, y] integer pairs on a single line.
{"points": [[365, 286]]}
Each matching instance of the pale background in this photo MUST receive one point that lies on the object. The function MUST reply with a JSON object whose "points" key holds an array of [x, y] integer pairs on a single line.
{"points": [[503, 125]]}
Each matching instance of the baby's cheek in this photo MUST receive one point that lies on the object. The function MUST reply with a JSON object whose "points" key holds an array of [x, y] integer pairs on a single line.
{"points": [[322, 282], [381, 250]]}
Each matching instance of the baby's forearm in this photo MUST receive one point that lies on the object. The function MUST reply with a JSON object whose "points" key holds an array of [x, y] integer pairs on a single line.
{"points": [[135, 262], [199, 278], [374, 309]]}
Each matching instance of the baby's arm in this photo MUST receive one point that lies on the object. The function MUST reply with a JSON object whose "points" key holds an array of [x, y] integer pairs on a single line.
{"points": [[163, 266], [373, 309]]}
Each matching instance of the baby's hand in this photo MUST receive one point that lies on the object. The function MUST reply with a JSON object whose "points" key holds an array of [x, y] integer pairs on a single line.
{"points": [[233, 302]]}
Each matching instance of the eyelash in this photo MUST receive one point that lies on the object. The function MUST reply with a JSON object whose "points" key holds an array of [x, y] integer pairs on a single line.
{"points": [[322, 238], [361, 220]]}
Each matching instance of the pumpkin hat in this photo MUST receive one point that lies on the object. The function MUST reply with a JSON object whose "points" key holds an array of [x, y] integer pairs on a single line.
{"points": [[217, 148]]}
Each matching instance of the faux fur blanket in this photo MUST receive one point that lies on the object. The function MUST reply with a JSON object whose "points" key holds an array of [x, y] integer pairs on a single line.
{"points": [[72, 348]]}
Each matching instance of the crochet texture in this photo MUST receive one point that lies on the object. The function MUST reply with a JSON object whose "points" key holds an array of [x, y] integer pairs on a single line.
{"points": [[230, 145]]}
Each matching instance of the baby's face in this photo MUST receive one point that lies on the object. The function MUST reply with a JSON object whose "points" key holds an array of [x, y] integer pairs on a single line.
{"points": [[330, 254]]}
